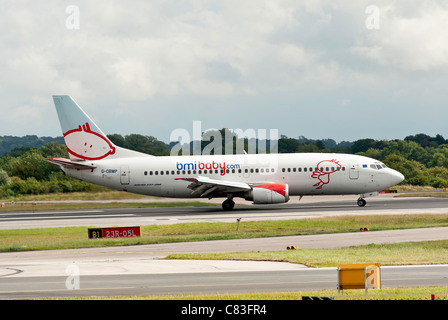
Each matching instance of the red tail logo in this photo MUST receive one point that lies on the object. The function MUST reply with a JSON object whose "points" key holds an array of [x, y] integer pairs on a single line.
{"points": [[86, 144]]}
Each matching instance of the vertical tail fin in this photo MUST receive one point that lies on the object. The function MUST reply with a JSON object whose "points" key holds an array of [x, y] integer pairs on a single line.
{"points": [[83, 138]]}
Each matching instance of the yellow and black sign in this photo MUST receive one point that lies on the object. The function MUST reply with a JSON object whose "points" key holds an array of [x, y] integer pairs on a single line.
{"points": [[95, 233], [359, 276]]}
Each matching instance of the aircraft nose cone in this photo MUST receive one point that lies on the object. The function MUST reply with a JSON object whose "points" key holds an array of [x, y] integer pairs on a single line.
{"points": [[396, 177]]}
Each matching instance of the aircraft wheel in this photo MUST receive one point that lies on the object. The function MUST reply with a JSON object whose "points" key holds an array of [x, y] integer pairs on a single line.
{"points": [[361, 202], [228, 204]]}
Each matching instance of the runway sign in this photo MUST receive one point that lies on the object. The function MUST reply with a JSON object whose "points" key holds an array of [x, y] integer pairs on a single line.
{"points": [[359, 276], [118, 232]]}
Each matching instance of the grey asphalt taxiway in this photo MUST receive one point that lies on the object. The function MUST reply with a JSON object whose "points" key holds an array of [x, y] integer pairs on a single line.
{"points": [[141, 270]]}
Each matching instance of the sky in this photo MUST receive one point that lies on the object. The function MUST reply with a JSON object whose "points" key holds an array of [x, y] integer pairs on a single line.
{"points": [[344, 70]]}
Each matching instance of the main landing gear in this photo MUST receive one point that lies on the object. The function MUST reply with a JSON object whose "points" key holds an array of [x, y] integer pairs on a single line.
{"points": [[361, 202], [228, 204]]}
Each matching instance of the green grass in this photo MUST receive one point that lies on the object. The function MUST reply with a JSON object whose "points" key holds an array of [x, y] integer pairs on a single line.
{"points": [[410, 187], [407, 253], [390, 254], [102, 199], [430, 252], [420, 293], [23, 207], [76, 237], [423, 194], [101, 194]]}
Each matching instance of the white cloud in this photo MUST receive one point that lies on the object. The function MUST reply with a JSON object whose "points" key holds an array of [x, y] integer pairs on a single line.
{"points": [[411, 40], [150, 62], [25, 115], [294, 55]]}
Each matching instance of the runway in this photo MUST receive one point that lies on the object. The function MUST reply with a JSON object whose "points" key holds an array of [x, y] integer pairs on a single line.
{"points": [[308, 207], [275, 279], [141, 270]]}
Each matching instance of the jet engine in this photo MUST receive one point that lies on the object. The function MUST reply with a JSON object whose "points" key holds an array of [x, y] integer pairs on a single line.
{"points": [[269, 193]]}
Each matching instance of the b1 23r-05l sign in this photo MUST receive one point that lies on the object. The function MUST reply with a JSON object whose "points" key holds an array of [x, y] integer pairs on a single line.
{"points": [[118, 232]]}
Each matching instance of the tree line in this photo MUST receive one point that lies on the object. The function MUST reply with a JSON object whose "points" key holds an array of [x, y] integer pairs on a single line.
{"points": [[10, 143], [422, 159]]}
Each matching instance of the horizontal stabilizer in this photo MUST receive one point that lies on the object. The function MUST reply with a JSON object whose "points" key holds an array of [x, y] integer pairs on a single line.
{"points": [[67, 163]]}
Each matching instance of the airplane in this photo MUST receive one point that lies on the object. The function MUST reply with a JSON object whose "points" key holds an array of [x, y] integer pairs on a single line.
{"points": [[260, 178]]}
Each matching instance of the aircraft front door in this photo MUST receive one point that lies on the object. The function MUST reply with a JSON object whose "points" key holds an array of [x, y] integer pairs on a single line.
{"points": [[354, 170], [124, 175]]}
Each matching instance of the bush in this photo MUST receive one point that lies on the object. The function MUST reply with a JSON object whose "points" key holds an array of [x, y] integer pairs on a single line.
{"points": [[4, 178]]}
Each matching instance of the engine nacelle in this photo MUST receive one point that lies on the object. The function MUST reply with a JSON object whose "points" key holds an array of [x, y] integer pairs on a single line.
{"points": [[269, 193]]}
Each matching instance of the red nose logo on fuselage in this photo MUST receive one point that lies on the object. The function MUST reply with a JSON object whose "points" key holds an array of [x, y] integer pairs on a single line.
{"points": [[323, 171]]}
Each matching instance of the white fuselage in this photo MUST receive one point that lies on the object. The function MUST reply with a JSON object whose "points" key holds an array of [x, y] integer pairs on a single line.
{"points": [[305, 173]]}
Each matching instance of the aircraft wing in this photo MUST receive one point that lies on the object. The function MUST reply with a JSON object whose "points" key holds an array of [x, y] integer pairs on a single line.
{"points": [[67, 163], [205, 187]]}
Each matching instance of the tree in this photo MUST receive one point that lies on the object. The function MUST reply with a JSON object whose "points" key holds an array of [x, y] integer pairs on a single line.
{"points": [[372, 153], [362, 145], [4, 178], [413, 171], [54, 150], [409, 150], [287, 145], [320, 145]]}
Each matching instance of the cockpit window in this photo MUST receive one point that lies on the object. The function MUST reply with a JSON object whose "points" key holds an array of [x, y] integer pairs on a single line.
{"points": [[378, 166]]}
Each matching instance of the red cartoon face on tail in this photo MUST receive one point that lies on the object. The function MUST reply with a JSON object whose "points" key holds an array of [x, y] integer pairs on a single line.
{"points": [[322, 174], [85, 144]]}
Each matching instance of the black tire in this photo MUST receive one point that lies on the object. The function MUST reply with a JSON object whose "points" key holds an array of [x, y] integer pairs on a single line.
{"points": [[228, 205]]}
